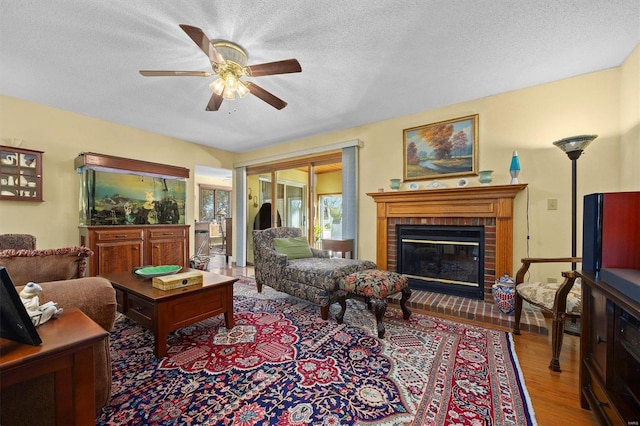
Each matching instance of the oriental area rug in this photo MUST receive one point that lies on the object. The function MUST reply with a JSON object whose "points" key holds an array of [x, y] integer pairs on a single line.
{"points": [[283, 365]]}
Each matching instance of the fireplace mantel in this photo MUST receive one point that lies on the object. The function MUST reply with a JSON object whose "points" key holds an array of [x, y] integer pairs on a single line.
{"points": [[493, 201]]}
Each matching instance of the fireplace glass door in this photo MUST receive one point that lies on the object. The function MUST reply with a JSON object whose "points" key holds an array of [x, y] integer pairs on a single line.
{"points": [[443, 259]]}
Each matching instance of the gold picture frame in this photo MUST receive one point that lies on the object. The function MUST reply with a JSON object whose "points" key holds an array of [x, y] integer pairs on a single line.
{"points": [[441, 150]]}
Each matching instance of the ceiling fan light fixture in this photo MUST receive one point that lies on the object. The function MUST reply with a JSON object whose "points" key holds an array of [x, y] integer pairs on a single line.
{"points": [[242, 89], [229, 94], [231, 51], [228, 85], [230, 81], [217, 86], [229, 63]]}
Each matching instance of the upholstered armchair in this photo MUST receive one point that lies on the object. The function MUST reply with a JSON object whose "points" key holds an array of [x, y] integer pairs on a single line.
{"points": [[562, 300], [60, 273], [314, 278]]}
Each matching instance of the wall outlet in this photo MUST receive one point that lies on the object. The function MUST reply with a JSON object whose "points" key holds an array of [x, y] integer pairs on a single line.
{"points": [[552, 280], [552, 204]]}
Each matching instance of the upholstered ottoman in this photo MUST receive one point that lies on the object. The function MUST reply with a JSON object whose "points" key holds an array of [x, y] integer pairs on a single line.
{"points": [[375, 286]]}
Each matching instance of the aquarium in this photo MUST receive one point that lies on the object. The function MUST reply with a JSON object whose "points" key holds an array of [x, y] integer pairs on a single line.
{"points": [[129, 198]]}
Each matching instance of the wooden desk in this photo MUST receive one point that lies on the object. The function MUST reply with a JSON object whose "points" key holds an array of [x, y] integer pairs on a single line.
{"points": [[342, 246], [163, 311], [67, 351]]}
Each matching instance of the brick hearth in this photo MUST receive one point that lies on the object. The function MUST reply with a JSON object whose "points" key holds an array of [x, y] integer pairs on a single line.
{"points": [[474, 310]]}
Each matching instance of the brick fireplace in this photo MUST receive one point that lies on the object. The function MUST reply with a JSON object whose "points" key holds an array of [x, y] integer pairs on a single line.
{"points": [[488, 206]]}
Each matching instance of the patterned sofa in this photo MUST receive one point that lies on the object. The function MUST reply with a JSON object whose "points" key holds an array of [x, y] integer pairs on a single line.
{"points": [[314, 279]]}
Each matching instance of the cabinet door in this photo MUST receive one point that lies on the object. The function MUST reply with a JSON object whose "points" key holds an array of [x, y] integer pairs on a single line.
{"points": [[599, 337], [167, 246], [122, 256]]}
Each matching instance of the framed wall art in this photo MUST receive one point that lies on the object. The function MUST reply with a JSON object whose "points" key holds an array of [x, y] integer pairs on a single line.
{"points": [[441, 150]]}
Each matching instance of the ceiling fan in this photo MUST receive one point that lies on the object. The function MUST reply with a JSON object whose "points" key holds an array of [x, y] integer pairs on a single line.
{"points": [[229, 63]]}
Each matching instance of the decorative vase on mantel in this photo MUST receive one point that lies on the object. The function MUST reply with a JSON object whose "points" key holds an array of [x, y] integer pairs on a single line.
{"points": [[395, 184], [485, 176], [514, 168]]}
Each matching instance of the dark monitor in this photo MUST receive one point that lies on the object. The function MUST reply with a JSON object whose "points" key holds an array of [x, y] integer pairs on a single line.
{"points": [[15, 323]]}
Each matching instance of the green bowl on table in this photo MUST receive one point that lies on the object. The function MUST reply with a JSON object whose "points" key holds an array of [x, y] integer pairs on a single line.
{"points": [[158, 271]]}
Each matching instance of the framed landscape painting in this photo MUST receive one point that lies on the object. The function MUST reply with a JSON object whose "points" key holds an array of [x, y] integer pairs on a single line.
{"points": [[441, 150]]}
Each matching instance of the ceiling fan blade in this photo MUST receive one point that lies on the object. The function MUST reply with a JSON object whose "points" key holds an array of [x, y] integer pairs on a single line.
{"points": [[271, 68], [272, 100], [203, 42], [148, 73], [214, 102]]}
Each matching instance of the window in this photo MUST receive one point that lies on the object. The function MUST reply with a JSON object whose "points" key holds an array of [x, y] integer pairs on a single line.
{"points": [[330, 215], [214, 203]]}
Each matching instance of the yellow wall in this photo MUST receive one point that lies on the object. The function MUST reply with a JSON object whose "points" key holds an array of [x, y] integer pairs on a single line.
{"points": [[62, 136], [630, 122], [606, 103], [527, 120], [329, 183]]}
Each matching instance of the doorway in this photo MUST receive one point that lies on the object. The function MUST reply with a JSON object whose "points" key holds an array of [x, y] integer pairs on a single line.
{"points": [[287, 194], [213, 207]]}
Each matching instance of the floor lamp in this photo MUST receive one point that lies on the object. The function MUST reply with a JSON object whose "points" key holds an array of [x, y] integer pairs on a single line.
{"points": [[574, 146]]}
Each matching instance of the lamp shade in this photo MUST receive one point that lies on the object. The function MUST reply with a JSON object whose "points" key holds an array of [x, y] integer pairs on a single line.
{"points": [[575, 143]]}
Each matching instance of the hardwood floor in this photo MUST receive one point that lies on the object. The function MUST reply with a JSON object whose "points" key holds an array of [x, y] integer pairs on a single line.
{"points": [[555, 396]]}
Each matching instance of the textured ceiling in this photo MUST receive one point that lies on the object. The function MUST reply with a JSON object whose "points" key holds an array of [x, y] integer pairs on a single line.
{"points": [[362, 61]]}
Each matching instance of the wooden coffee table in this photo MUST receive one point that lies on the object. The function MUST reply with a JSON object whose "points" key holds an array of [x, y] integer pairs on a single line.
{"points": [[163, 311]]}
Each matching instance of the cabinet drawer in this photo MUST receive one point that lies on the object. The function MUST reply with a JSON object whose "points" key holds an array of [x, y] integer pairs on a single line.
{"points": [[118, 235], [601, 406], [189, 309], [166, 233], [139, 310]]}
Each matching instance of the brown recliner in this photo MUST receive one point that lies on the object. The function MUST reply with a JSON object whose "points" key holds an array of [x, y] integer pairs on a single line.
{"points": [[59, 272]]}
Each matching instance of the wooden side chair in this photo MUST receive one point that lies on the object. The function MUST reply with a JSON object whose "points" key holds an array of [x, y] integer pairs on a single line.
{"points": [[562, 300]]}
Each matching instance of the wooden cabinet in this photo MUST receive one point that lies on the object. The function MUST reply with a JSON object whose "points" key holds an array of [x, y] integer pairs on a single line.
{"points": [[20, 174], [610, 353], [121, 248], [67, 351], [167, 245], [115, 250], [610, 340]]}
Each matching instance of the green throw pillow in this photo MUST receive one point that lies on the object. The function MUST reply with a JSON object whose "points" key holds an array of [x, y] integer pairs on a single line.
{"points": [[294, 248]]}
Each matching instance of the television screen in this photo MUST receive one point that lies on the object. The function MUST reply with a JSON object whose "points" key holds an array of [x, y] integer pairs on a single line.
{"points": [[15, 323]]}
